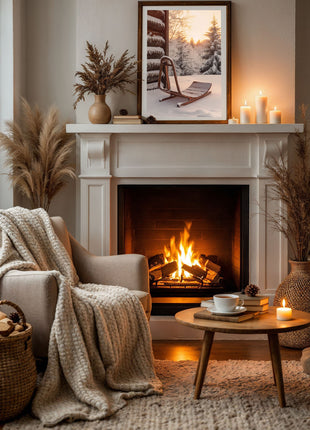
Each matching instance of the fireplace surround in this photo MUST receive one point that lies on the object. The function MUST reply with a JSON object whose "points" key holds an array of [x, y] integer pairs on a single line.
{"points": [[114, 156]]}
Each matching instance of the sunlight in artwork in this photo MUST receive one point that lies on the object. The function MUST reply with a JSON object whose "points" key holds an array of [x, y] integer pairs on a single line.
{"points": [[197, 22]]}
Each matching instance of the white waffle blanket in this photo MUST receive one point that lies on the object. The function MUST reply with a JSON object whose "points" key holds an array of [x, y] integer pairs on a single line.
{"points": [[100, 351]]}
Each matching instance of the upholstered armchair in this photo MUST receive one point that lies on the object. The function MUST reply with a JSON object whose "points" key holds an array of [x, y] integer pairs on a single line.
{"points": [[36, 292]]}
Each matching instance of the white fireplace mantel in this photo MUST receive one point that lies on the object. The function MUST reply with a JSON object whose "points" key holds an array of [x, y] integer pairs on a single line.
{"points": [[175, 154], [183, 128], [111, 155]]}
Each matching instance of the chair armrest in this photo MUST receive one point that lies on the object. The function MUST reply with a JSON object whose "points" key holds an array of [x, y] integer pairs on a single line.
{"points": [[126, 270], [36, 293]]}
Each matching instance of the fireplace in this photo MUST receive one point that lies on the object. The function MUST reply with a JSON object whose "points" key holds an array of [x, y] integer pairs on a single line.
{"points": [[115, 156], [196, 239]]}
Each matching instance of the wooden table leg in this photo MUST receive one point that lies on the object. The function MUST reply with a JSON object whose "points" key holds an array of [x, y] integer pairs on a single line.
{"points": [[197, 370], [274, 377], [276, 365], [203, 362]]}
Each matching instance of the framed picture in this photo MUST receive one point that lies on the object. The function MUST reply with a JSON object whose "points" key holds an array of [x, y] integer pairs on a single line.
{"points": [[184, 61]]}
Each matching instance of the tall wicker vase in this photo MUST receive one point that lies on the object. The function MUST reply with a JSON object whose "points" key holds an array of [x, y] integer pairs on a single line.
{"points": [[99, 112], [295, 289]]}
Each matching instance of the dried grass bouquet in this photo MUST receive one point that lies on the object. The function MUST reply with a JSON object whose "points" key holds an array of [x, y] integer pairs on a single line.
{"points": [[291, 185], [102, 73], [38, 154]]}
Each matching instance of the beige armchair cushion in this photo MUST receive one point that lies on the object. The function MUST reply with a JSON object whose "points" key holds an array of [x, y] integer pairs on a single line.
{"points": [[60, 229]]}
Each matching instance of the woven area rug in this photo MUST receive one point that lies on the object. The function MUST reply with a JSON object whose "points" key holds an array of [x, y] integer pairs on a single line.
{"points": [[237, 395]]}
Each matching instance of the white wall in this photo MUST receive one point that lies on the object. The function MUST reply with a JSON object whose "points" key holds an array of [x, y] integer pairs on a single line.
{"points": [[263, 48], [302, 82], [50, 52], [6, 92]]}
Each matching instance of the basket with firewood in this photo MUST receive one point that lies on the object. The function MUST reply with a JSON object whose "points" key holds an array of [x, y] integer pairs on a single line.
{"points": [[17, 364]]}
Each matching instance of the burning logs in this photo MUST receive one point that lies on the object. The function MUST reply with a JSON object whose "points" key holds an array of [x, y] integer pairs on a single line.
{"points": [[156, 260], [196, 271], [212, 271], [164, 271], [208, 271]]}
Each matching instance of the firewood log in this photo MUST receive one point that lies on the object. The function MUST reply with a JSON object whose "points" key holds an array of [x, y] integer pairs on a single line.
{"points": [[156, 260], [196, 271], [2, 315], [212, 266], [155, 275], [169, 268], [6, 328]]}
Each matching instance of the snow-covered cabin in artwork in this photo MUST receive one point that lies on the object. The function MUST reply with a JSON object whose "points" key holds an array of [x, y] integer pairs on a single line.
{"points": [[157, 42]]}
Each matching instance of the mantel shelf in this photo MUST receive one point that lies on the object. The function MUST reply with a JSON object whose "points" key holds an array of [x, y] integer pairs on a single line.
{"points": [[183, 128]]}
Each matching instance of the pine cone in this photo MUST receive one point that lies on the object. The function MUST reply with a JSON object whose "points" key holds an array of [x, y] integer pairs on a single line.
{"points": [[251, 290], [14, 317]]}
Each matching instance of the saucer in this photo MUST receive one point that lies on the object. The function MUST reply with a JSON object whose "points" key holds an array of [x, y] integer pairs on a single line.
{"points": [[239, 310]]}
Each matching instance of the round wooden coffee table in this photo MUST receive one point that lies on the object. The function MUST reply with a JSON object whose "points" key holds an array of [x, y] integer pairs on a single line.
{"points": [[265, 323]]}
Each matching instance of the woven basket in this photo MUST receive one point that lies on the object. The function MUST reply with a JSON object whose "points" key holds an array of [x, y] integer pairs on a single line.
{"points": [[17, 369], [295, 289]]}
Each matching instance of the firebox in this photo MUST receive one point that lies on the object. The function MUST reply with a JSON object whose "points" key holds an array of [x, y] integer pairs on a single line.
{"points": [[196, 239]]}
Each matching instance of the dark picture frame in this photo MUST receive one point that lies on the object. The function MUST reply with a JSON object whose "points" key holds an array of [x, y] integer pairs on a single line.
{"points": [[184, 67]]}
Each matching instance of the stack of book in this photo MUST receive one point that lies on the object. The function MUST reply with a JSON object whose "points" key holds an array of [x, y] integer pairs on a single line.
{"points": [[127, 119], [255, 304]]}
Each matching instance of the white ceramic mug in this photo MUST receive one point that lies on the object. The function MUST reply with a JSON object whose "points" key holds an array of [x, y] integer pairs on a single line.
{"points": [[227, 302]]}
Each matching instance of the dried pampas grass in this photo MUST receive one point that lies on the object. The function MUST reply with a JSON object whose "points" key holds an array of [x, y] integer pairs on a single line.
{"points": [[38, 154], [291, 185]]}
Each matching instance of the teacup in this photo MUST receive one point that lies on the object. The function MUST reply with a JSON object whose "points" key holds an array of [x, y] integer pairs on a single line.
{"points": [[227, 302]]}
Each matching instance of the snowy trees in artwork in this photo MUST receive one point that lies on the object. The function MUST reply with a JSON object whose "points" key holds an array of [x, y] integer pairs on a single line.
{"points": [[212, 53], [190, 57]]}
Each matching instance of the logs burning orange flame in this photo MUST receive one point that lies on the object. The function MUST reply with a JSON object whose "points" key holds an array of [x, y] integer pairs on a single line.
{"points": [[182, 254]]}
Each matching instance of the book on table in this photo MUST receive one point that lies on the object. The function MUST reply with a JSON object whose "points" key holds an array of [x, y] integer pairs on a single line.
{"points": [[205, 314], [253, 301], [257, 308]]}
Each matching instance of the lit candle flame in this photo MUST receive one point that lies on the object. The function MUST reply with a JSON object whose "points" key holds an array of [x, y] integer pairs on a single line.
{"points": [[275, 108], [283, 303], [245, 103], [260, 92]]}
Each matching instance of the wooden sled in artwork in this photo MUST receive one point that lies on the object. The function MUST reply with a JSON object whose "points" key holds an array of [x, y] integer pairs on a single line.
{"points": [[196, 90]]}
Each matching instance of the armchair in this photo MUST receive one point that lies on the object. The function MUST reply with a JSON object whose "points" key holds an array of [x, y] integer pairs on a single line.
{"points": [[36, 292]]}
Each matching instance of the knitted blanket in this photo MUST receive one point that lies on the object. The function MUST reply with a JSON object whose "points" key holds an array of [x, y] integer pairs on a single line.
{"points": [[100, 351]]}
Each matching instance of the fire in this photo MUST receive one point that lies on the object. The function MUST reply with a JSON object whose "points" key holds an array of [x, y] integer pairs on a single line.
{"points": [[183, 253]]}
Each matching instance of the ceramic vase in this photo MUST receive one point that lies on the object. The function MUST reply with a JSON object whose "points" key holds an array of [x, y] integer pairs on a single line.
{"points": [[99, 112], [295, 289]]}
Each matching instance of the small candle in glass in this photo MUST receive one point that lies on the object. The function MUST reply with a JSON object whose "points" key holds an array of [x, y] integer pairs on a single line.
{"points": [[233, 121], [284, 313]]}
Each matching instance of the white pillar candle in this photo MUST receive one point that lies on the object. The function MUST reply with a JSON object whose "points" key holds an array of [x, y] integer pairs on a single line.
{"points": [[275, 116], [233, 121], [245, 114], [284, 314], [261, 108]]}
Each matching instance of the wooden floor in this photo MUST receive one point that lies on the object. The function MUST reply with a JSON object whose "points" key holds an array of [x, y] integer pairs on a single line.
{"points": [[221, 350]]}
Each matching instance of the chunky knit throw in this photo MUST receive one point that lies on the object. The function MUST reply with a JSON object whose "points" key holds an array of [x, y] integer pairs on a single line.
{"points": [[100, 351]]}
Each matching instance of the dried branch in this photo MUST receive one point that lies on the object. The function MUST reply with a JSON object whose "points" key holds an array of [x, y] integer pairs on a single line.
{"points": [[102, 73], [291, 186], [38, 155]]}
